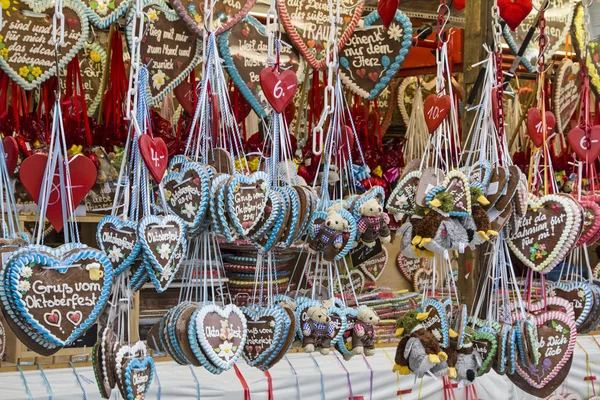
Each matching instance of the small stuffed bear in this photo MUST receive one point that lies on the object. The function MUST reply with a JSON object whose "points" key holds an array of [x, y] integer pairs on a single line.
{"points": [[373, 223], [329, 236], [363, 334], [317, 331]]}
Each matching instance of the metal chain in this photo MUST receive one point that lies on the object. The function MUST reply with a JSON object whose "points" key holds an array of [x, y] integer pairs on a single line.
{"points": [[137, 27], [499, 74], [542, 43]]}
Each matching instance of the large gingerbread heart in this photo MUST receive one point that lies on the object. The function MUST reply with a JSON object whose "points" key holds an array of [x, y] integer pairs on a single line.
{"points": [[556, 342], [163, 243], [246, 200], [307, 24], [244, 50], [169, 49], [221, 333], [436, 321], [402, 201], [545, 234], [82, 176], [566, 93], [118, 239], [59, 294], [26, 48], [264, 334], [374, 54]]}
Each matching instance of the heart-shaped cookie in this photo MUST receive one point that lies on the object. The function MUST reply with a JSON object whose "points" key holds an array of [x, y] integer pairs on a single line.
{"points": [[579, 36], [137, 377], [370, 260], [436, 109], [456, 184], [264, 334], [436, 321], [60, 295], [246, 200], [556, 342], [558, 16], [407, 93], [566, 93], [402, 199], [225, 14], [29, 58], [169, 44], [374, 47], [82, 176], [307, 24], [163, 242], [409, 266], [244, 50], [118, 239], [586, 148], [221, 333], [422, 279], [186, 193], [578, 294], [486, 344], [545, 234], [535, 123], [355, 282]]}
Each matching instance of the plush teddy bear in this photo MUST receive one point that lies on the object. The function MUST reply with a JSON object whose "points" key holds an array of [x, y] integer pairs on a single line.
{"points": [[373, 223], [363, 334], [328, 237], [317, 330]]}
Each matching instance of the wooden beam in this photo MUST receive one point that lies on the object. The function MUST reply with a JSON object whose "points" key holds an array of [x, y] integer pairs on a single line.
{"points": [[477, 33]]}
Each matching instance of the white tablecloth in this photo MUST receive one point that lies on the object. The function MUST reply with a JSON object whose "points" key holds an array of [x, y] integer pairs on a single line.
{"points": [[177, 381]]}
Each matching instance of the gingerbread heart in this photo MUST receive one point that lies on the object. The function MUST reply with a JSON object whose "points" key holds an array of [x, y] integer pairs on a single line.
{"points": [[407, 90], [246, 200], [307, 24], [221, 333], [486, 343], [60, 295], [579, 36], [118, 240], [244, 50], [545, 234], [370, 260], [226, 14], [349, 284], [578, 294], [29, 58], [566, 93], [169, 44], [263, 341], [402, 200], [137, 377], [587, 148], [408, 266], [372, 47]]}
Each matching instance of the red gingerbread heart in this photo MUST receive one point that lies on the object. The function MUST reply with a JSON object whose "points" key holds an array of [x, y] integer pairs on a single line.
{"points": [[588, 149], [82, 176], [513, 12], [279, 87], [11, 153], [534, 125], [436, 110], [155, 155]]}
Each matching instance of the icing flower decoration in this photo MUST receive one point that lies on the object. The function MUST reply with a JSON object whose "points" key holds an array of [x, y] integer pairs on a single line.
{"points": [[115, 254], [4, 53], [95, 57], [165, 274], [36, 71], [26, 272], [226, 350], [24, 71], [164, 250], [23, 286], [189, 210], [153, 15], [395, 32], [158, 79], [102, 8], [558, 328], [537, 251], [581, 294]]}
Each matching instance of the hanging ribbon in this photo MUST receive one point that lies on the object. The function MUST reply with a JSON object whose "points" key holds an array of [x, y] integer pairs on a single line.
{"points": [[269, 385], [243, 382]]}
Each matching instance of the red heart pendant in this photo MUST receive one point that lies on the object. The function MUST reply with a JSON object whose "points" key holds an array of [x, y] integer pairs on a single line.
{"points": [[184, 93], [514, 12], [534, 125], [155, 155], [436, 109], [11, 153], [279, 88], [587, 150], [82, 175]]}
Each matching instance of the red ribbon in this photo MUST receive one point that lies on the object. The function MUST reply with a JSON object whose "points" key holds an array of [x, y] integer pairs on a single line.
{"points": [[269, 385], [114, 97], [243, 382]]}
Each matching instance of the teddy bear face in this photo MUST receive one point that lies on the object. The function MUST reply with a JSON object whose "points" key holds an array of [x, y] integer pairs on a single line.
{"points": [[318, 314], [368, 316], [370, 208], [336, 221]]}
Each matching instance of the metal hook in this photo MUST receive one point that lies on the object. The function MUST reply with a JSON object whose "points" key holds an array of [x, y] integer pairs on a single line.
{"points": [[546, 6]]}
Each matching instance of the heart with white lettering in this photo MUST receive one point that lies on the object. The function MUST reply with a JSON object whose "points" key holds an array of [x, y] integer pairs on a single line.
{"points": [[279, 88], [456, 184], [402, 200], [82, 177], [186, 193], [171, 46], [226, 14], [163, 242], [27, 50], [566, 93], [374, 47], [137, 377], [155, 155], [123, 355], [370, 260], [92, 62], [545, 234], [436, 321], [578, 294], [556, 341], [307, 24], [337, 318], [221, 333], [587, 148], [486, 343], [422, 278], [535, 123], [244, 50], [356, 282], [246, 201], [59, 295], [264, 334], [118, 240], [409, 266], [103, 13], [436, 109]]}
